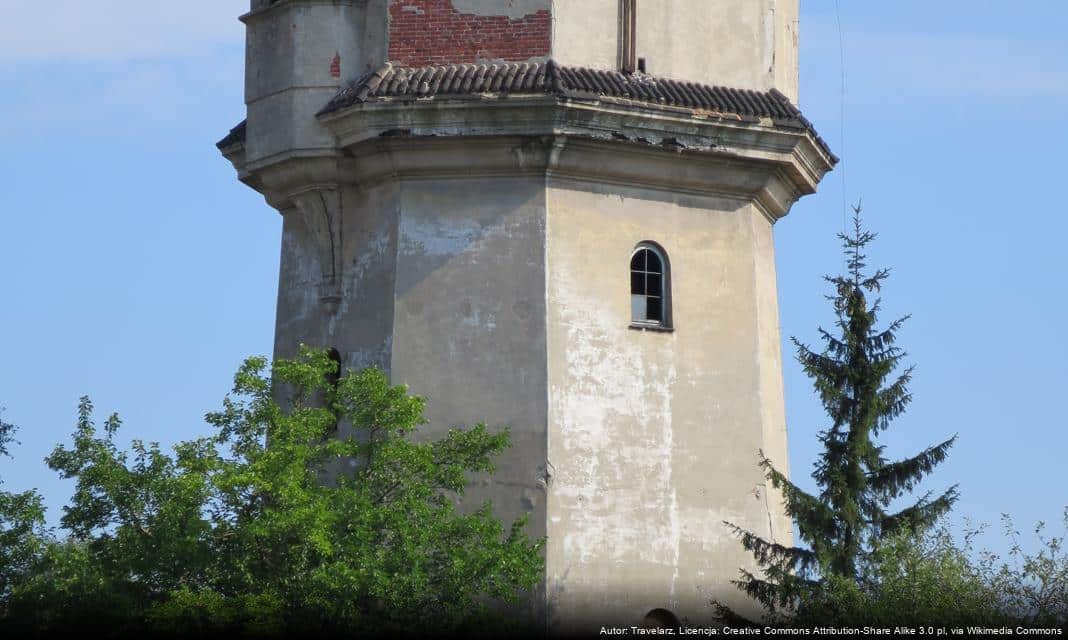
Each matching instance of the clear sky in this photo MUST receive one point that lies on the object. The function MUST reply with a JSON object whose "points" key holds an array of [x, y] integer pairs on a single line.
{"points": [[138, 271]]}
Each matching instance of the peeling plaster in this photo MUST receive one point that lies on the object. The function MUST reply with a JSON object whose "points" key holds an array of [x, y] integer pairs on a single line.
{"points": [[377, 356], [437, 238], [646, 428], [375, 250], [476, 317], [451, 271], [613, 387]]}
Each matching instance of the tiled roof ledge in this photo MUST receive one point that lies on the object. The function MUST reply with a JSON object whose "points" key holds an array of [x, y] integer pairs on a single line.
{"points": [[501, 80], [618, 141], [559, 122]]}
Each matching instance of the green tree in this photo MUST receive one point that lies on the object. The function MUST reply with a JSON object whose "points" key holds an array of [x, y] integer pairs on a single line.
{"points": [[846, 523], [275, 524], [913, 578], [930, 579], [1032, 587], [22, 533]]}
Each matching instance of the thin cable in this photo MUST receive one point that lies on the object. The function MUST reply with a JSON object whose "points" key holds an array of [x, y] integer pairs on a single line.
{"points": [[842, 116]]}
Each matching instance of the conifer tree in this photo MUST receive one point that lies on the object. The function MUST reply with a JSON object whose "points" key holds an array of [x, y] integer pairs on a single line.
{"points": [[853, 375]]}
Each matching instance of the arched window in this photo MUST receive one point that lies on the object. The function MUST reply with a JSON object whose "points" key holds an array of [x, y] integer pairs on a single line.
{"points": [[650, 287]]}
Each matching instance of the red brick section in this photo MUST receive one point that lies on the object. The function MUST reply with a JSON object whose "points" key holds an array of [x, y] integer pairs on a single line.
{"points": [[431, 32]]}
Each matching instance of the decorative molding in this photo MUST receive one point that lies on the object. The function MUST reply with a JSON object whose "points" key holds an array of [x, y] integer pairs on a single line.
{"points": [[269, 7], [578, 158], [618, 141], [320, 211]]}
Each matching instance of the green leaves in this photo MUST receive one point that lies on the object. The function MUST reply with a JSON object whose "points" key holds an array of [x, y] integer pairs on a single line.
{"points": [[22, 533], [275, 522], [929, 579]]}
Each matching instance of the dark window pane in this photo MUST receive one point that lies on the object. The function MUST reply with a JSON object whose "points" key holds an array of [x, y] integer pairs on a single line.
{"points": [[637, 262], [653, 309], [637, 282], [653, 264], [654, 288]]}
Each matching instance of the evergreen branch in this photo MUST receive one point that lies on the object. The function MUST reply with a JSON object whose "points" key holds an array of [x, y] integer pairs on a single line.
{"points": [[727, 616], [777, 595], [783, 558], [887, 336], [921, 515], [833, 345], [828, 374], [767, 593], [896, 478], [893, 401], [818, 363], [815, 520], [885, 361], [874, 282]]}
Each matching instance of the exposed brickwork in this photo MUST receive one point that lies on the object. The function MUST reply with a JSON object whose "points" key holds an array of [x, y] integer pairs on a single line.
{"points": [[428, 32]]}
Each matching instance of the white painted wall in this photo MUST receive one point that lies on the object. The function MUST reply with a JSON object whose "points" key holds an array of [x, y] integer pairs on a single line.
{"points": [[653, 437], [749, 44]]}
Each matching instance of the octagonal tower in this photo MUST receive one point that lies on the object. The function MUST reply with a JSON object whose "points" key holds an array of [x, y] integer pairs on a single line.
{"points": [[554, 215]]}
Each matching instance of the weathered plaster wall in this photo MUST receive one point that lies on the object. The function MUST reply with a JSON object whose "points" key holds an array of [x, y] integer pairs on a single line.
{"points": [[500, 292], [425, 32], [772, 402], [443, 286], [505, 299], [653, 437], [748, 44], [586, 33], [297, 56], [360, 327], [469, 322], [787, 45]]}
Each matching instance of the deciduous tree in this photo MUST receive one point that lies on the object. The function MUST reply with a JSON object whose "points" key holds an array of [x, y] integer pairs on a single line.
{"points": [[21, 524], [275, 524]]}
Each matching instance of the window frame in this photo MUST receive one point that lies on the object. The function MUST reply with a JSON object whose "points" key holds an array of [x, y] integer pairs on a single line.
{"points": [[665, 323]]}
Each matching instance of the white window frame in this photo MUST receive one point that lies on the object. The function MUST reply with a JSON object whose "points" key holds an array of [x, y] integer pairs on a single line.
{"points": [[639, 314]]}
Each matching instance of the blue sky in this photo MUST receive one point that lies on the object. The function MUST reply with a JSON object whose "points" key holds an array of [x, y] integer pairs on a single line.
{"points": [[138, 271]]}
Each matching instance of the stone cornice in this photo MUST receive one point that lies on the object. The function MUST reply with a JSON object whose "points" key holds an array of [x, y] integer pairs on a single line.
{"points": [[288, 175], [576, 159], [611, 141], [608, 140], [274, 6]]}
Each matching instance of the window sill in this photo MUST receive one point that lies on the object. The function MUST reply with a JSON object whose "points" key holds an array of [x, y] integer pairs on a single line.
{"points": [[656, 328]]}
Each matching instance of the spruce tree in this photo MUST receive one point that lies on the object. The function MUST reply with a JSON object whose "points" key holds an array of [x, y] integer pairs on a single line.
{"points": [[853, 375]]}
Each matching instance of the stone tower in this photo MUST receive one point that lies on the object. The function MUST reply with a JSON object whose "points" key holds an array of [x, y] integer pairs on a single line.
{"points": [[554, 215]]}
